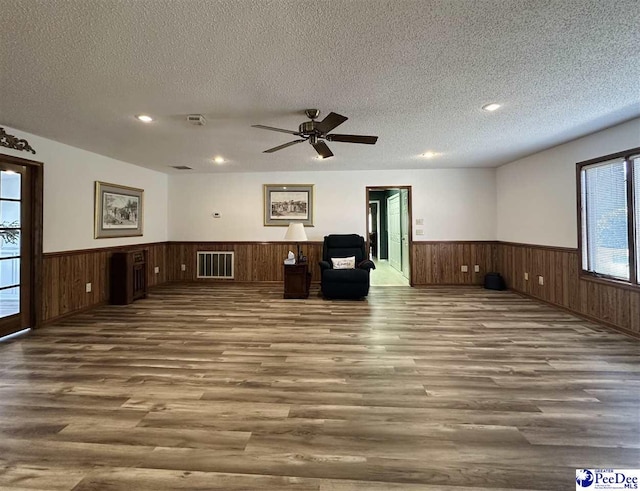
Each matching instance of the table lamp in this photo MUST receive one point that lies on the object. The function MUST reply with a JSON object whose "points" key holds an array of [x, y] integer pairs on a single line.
{"points": [[295, 233]]}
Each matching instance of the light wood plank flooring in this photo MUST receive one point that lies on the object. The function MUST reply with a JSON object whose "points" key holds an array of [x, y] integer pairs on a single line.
{"points": [[385, 275], [230, 387]]}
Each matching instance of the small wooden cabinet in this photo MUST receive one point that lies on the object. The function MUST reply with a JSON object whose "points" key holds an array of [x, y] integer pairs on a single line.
{"points": [[297, 280], [128, 276]]}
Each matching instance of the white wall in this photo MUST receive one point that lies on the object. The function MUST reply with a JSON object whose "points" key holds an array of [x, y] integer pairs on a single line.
{"points": [[532, 200], [69, 183], [536, 200], [456, 204]]}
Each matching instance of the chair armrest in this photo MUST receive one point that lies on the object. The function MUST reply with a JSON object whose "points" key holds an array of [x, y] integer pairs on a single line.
{"points": [[324, 265], [366, 264]]}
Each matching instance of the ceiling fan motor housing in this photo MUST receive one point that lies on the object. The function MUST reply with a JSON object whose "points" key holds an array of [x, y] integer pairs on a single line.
{"points": [[308, 127]]}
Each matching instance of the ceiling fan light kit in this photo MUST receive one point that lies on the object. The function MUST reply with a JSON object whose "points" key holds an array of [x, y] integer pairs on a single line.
{"points": [[315, 132]]}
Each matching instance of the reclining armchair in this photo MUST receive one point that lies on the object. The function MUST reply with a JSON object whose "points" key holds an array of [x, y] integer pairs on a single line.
{"points": [[344, 267]]}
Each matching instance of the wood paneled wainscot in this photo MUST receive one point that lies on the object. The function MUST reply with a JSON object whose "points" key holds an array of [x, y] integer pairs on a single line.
{"points": [[440, 263], [254, 261], [432, 262], [618, 306], [67, 273]]}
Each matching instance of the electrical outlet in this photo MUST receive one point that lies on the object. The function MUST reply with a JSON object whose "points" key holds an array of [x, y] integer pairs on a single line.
{"points": [[156, 270], [540, 280], [87, 288], [464, 268], [183, 267], [419, 231], [476, 268], [526, 277]]}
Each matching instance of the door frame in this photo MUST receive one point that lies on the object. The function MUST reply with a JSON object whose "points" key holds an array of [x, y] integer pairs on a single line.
{"points": [[35, 171], [410, 224], [377, 203], [404, 217]]}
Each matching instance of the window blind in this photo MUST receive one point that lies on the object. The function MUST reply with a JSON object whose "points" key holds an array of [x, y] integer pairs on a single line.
{"points": [[604, 198]]}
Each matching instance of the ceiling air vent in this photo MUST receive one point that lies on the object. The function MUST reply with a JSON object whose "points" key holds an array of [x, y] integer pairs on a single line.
{"points": [[181, 167], [197, 119]]}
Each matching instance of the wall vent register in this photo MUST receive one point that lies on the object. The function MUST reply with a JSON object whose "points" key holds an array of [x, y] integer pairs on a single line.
{"points": [[215, 264]]}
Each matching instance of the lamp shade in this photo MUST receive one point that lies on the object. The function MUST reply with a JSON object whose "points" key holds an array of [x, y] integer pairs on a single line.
{"points": [[296, 233]]}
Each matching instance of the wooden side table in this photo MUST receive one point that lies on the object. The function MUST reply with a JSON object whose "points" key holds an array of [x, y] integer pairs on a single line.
{"points": [[297, 280]]}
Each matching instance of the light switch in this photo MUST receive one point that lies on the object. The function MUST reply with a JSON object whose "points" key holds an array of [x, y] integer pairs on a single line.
{"points": [[464, 268], [419, 221], [476, 268], [156, 270], [87, 288], [183, 267], [540, 280], [526, 276]]}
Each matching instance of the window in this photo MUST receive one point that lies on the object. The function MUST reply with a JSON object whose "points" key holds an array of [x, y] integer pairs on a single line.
{"points": [[609, 216]]}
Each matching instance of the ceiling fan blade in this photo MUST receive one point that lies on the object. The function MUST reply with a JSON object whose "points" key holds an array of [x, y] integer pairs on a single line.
{"points": [[263, 127], [332, 121], [280, 147], [323, 150], [367, 140]]}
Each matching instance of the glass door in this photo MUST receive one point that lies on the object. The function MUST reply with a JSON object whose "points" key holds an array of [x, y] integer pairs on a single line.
{"points": [[13, 250]]}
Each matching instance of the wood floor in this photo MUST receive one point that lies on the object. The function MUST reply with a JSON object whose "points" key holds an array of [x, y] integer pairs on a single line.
{"points": [[227, 387]]}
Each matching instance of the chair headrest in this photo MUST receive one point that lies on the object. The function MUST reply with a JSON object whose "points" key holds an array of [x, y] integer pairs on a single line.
{"points": [[342, 241]]}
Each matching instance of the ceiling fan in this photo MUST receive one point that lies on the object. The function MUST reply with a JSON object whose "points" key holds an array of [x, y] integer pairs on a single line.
{"points": [[314, 132]]}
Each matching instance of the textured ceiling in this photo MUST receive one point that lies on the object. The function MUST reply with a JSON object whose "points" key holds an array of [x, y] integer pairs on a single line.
{"points": [[413, 72]]}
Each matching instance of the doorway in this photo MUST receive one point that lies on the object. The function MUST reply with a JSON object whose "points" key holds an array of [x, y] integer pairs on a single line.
{"points": [[20, 244], [389, 234]]}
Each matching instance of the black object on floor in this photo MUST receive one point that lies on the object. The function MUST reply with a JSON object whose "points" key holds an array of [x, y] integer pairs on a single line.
{"points": [[493, 281]]}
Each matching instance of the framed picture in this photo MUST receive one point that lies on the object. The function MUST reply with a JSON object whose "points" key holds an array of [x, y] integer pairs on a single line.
{"points": [[118, 211], [286, 203]]}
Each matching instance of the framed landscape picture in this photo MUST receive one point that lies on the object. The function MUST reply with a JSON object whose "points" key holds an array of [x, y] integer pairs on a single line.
{"points": [[286, 203], [118, 211]]}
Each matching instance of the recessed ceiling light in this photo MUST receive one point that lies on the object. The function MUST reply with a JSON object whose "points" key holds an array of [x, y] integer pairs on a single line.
{"points": [[491, 107], [218, 160], [429, 155], [144, 118]]}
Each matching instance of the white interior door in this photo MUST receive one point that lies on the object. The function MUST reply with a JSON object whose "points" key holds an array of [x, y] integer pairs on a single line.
{"points": [[393, 229], [404, 231]]}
